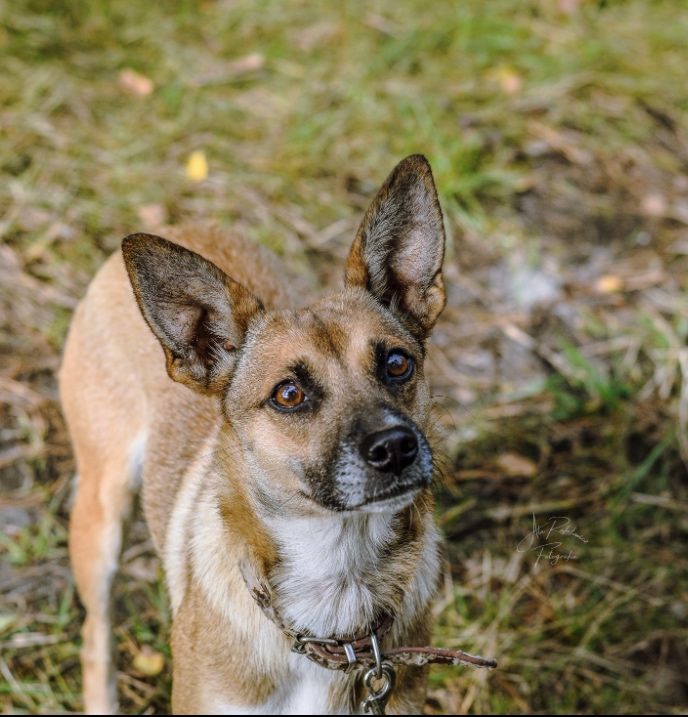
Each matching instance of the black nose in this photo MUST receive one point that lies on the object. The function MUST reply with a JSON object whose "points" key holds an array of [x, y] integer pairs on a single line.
{"points": [[390, 450]]}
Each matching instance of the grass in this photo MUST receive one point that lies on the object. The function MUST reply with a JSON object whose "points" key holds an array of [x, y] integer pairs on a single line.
{"points": [[556, 130]]}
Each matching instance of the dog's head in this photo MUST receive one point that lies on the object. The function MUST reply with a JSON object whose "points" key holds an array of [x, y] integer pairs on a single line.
{"points": [[329, 402]]}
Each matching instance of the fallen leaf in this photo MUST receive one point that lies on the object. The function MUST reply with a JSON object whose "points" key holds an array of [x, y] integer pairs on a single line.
{"points": [[135, 83], [566, 142], [654, 205], [609, 284], [221, 73], [379, 23], [318, 35], [152, 216], [509, 80], [514, 464], [569, 7], [250, 63], [149, 662], [197, 166]]}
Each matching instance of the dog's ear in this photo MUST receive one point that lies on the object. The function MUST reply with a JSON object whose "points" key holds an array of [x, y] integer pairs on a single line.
{"points": [[398, 251], [197, 312]]}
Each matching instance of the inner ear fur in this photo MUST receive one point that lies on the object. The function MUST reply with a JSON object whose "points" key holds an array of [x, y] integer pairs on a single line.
{"points": [[399, 248], [198, 314]]}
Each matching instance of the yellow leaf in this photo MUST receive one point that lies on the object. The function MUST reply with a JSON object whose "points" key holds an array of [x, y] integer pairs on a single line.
{"points": [[149, 662], [197, 166], [609, 284]]}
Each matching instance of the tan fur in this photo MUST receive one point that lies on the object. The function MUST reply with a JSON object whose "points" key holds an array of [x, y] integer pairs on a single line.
{"points": [[218, 490]]}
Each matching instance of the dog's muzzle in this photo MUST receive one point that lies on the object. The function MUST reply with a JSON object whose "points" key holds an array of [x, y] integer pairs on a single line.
{"points": [[379, 469]]}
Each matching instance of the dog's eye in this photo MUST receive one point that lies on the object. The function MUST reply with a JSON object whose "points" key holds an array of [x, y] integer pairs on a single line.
{"points": [[288, 395], [399, 366]]}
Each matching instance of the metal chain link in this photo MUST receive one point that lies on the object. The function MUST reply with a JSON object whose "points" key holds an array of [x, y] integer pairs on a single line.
{"points": [[378, 697]]}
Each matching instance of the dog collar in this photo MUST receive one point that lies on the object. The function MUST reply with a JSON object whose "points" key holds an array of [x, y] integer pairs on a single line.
{"points": [[359, 651]]}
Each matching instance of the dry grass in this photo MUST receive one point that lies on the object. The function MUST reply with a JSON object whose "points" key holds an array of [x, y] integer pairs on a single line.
{"points": [[557, 130]]}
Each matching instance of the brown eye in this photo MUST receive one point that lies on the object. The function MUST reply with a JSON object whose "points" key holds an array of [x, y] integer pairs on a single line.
{"points": [[288, 395], [399, 366]]}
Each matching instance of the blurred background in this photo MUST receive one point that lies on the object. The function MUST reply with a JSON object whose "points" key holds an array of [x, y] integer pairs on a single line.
{"points": [[557, 133]]}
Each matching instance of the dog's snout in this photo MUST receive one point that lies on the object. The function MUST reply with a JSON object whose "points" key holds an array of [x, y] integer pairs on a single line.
{"points": [[391, 450]]}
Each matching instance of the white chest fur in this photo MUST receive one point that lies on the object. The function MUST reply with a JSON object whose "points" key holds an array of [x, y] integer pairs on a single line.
{"points": [[332, 578]]}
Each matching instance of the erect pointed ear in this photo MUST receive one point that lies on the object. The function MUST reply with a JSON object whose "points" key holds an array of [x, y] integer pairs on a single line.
{"points": [[197, 312], [398, 251]]}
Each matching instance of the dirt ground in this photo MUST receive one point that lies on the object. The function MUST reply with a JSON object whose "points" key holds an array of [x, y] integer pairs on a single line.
{"points": [[558, 136]]}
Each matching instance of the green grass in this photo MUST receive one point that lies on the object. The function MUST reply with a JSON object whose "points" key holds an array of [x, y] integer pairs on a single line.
{"points": [[558, 146]]}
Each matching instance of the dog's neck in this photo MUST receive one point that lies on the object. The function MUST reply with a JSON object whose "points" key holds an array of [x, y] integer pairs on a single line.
{"points": [[328, 576]]}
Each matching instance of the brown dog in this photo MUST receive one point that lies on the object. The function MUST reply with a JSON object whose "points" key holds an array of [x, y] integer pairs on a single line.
{"points": [[283, 459]]}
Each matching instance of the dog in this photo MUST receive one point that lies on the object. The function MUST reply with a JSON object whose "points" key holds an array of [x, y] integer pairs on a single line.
{"points": [[284, 459]]}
